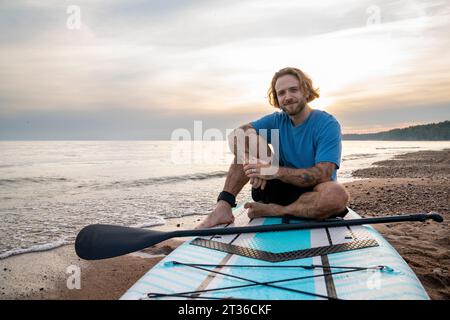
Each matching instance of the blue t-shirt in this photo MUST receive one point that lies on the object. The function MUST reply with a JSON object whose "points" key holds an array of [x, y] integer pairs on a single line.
{"points": [[317, 139]]}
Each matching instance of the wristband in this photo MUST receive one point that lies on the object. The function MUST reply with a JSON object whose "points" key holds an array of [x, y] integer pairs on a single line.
{"points": [[228, 197]]}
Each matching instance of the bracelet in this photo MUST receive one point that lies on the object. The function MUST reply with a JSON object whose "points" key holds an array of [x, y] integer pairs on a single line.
{"points": [[228, 197]]}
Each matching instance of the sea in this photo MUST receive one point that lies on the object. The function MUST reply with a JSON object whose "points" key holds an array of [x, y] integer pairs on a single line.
{"points": [[49, 190]]}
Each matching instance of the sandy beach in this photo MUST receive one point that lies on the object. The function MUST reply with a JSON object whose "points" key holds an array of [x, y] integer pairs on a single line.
{"points": [[411, 183]]}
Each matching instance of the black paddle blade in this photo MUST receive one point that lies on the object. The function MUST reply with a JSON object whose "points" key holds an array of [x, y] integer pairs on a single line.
{"points": [[436, 216], [101, 241]]}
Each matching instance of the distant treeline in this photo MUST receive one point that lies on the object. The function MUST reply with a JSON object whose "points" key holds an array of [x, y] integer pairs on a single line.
{"points": [[433, 131]]}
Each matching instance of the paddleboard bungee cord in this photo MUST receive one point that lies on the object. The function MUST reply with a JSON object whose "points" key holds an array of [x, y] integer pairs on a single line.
{"points": [[192, 294]]}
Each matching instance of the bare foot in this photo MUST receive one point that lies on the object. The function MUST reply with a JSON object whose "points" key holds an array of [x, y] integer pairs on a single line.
{"points": [[257, 209], [222, 214]]}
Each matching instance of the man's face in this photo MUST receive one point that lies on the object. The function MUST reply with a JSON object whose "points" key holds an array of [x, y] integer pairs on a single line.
{"points": [[290, 97]]}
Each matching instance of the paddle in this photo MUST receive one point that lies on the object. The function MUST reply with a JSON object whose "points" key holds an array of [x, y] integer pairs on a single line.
{"points": [[100, 241]]}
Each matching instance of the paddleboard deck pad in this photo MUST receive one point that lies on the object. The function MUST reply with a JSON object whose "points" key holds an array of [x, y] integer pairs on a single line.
{"points": [[353, 262]]}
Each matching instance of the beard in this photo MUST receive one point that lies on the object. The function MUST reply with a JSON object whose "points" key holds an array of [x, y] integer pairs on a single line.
{"points": [[293, 110]]}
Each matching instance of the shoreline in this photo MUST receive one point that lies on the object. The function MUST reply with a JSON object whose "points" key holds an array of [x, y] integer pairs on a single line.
{"points": [[45, 274], [409, 183]]}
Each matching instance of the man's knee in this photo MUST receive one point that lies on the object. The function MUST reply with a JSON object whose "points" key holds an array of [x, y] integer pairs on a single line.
{"points": [[333, 196]]}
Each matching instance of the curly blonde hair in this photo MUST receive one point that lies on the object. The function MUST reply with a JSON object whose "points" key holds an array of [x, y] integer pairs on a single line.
{"points": [[305, 85]]}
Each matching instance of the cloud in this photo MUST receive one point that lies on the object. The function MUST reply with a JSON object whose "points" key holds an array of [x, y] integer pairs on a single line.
{"points": [[118, 123], [216, 58]]}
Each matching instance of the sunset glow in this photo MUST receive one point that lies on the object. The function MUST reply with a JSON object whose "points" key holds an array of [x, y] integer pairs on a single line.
{"points": [[377, 64]]}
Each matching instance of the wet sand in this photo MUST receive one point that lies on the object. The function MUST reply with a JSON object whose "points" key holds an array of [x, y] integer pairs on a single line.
{"points": [[415, 182]]}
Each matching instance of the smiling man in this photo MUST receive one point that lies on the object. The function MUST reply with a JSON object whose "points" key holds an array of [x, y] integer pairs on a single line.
{"points": [[308, 152]]}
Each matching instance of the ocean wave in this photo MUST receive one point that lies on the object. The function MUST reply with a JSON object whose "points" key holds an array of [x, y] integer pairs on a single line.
{"points": [[9, 165], [168, 179], [35, 248], [157, 221], [357, 156], [26, 180], [394, 148], [160, 221]]}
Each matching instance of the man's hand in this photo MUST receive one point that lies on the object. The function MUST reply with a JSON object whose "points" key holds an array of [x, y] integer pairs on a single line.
{"points": [[260, 170], [258, 183]]}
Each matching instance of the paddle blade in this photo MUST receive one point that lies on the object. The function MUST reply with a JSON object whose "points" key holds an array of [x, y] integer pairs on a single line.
{"points": [[101, 241], [436, 216]]}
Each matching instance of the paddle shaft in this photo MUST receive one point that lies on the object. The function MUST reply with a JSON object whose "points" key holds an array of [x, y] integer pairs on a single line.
{"points": [[305, 225], [95, 242]]}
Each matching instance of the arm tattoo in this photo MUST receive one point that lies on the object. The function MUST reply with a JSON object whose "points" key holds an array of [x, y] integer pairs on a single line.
{"points": [[310, 177]]}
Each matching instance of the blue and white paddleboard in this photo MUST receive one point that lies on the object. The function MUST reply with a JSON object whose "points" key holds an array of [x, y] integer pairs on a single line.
{"points": [[330, 263]]}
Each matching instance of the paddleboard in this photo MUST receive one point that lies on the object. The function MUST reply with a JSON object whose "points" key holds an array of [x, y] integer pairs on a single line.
{"points": [[354, 263]]}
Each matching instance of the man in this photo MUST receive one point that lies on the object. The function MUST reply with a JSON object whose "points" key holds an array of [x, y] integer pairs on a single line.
{"points": [[309, 153]]}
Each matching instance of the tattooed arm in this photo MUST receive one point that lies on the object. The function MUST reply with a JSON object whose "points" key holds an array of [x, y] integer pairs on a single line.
{"points": [[310, 177]]}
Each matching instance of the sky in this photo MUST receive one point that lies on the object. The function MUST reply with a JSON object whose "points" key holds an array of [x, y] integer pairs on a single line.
{"points": [[112, 69]]}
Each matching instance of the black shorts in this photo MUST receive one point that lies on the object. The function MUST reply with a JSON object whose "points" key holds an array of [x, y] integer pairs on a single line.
{"points": [[278, 192], [283, 194]]}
